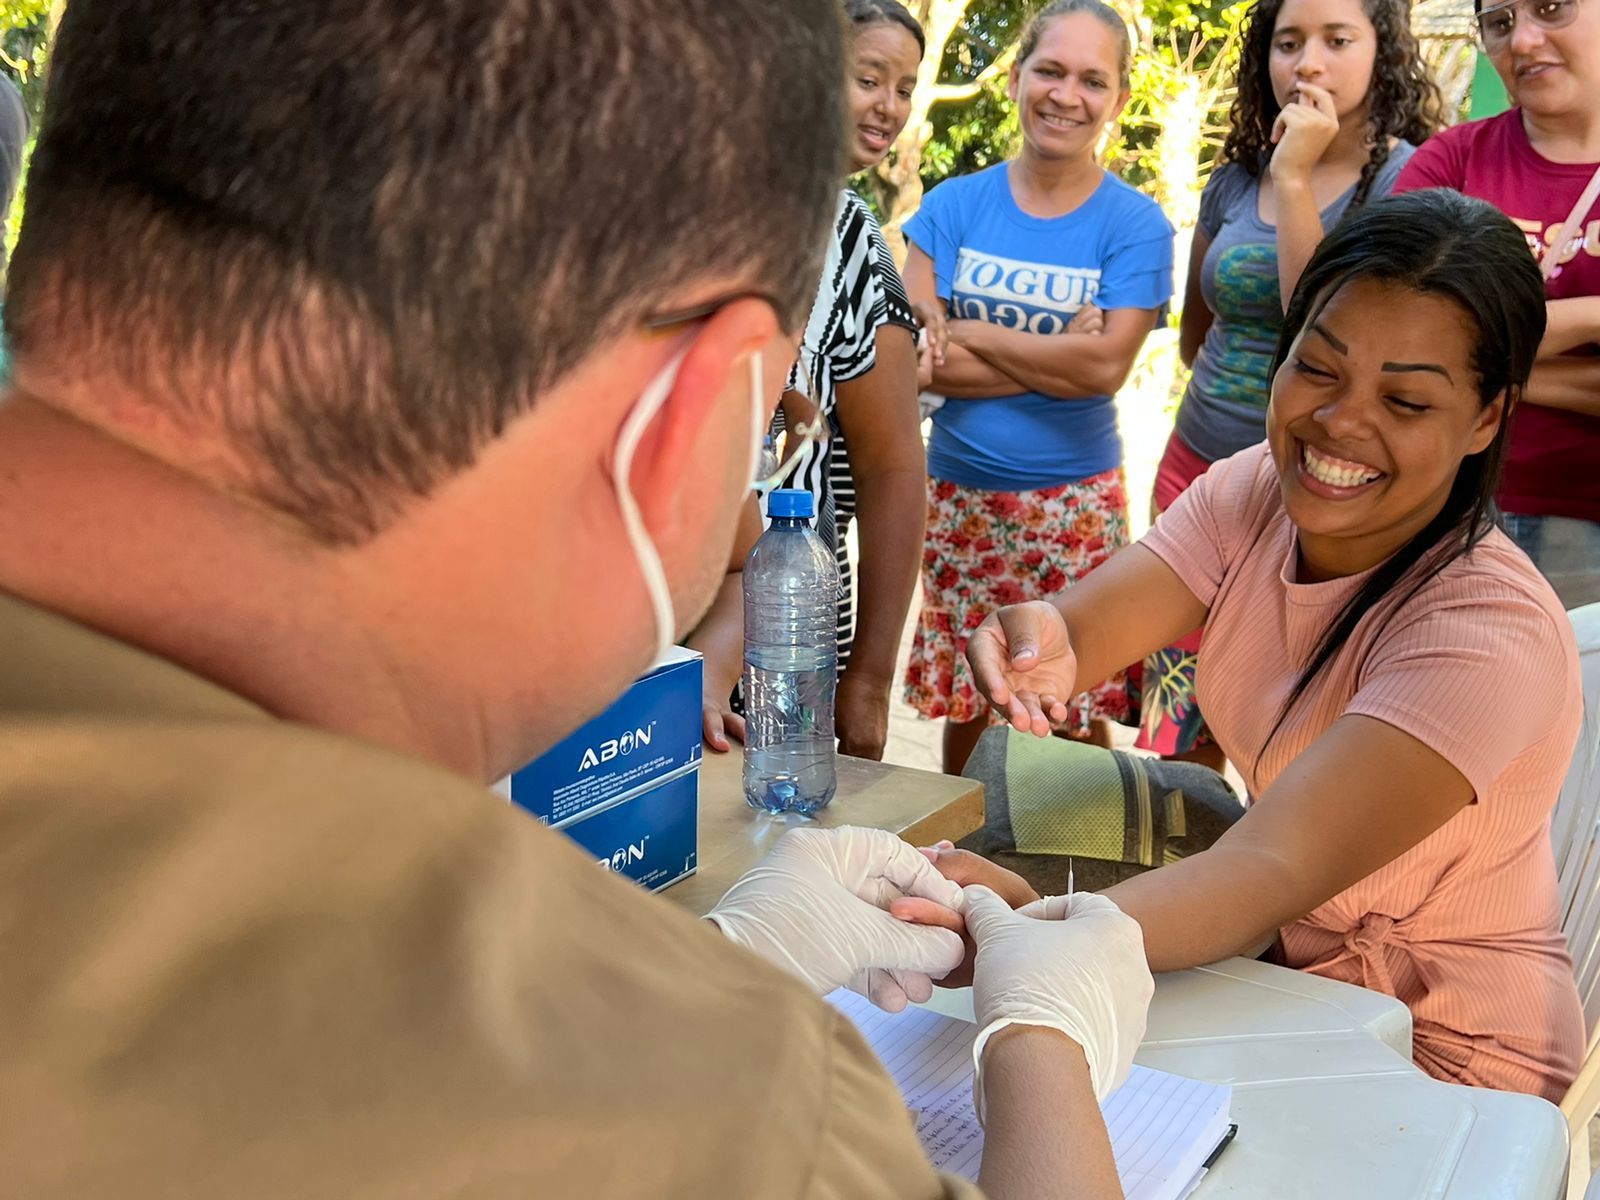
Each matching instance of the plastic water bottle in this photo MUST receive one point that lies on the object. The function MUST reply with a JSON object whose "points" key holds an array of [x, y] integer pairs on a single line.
{"points": [[791, 661]]}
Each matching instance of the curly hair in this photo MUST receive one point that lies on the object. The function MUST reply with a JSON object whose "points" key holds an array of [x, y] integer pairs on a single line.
{"points": [[1403, 100]]}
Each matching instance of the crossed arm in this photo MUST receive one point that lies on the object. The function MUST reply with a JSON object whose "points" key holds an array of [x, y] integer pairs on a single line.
{"points": [[1562, 380], [984, 360]]}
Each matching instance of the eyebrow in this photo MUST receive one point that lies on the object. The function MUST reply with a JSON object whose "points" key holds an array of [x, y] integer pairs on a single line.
{"points": [[1394, 368], [1388, 368], [1085, 72], [1331, 25], [1317, 329]]}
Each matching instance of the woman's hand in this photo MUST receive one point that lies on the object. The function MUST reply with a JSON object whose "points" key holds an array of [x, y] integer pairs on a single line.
{"points": [[1304, 130], [861, 716], [1087, 319], [963, 332], [1023, 664], [719, 722], [963, 867], [925, 364], [931, 316]]}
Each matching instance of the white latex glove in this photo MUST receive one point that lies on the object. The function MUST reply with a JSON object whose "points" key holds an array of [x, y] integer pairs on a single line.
{"points": [[1073, 963], [816, 907]]}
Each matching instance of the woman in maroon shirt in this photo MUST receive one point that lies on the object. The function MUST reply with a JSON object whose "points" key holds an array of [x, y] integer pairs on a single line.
{"points": [[1535, 163]]}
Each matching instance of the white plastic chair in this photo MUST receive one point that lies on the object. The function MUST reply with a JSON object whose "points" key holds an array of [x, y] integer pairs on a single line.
{"points": [[1575, 833]]}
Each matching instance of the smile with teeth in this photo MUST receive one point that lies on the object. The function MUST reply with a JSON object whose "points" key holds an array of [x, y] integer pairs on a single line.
{"points": [[1336, 472], [1056, 122]]}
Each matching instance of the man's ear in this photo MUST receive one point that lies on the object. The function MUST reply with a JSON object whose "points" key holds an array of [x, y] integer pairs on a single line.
{"points": [[716, 361]]}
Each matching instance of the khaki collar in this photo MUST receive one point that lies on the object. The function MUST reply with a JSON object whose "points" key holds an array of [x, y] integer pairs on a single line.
{"points": [[53, 666]]}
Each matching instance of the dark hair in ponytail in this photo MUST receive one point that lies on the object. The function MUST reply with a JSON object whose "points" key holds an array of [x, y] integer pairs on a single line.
{"points": [[884, 12], [1402, 100], [1435, 243], [1099, 10]]}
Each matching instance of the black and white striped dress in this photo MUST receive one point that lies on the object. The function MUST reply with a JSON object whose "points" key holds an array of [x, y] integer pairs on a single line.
{"points": [[859, 293]]}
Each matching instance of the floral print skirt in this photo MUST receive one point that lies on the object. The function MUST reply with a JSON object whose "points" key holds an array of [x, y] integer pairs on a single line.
{"points": [[989, 549]]}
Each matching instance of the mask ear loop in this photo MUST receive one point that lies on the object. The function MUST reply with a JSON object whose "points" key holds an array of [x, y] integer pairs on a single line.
{"points": [[758, 428], [644, 550]]}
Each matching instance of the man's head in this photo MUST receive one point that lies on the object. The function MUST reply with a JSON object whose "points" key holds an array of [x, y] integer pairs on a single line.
{"points": [[394, 224], [356, 265]]}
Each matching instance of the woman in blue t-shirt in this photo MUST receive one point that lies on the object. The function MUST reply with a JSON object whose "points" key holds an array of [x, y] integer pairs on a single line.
{"points": [[1026, 489]]}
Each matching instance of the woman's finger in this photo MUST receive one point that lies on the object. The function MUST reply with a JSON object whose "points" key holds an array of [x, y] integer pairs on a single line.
{"points": [[989, 654], [711, 726], [926, 912], [1020, 631], [1017, 713], [1319, 99], [1038, 723]]}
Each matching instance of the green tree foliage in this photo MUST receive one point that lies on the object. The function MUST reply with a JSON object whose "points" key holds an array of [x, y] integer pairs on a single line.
{"points": [[25, 27], [1179, 38], [961, 120], [971, 134]]}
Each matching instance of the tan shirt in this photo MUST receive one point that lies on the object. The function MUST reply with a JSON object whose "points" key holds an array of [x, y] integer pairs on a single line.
{"points": [[243, 958]]}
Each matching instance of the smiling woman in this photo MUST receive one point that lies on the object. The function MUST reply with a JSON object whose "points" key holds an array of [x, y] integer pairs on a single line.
{"points": [[1396, 683], [855, 380], [1026, 491]]}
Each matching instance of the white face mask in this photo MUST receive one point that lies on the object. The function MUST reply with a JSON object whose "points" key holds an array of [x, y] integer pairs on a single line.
{"points": [[644, 550]]}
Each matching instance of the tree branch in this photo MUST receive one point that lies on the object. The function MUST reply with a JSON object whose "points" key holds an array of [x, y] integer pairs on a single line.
{"points": [[946, 93]]}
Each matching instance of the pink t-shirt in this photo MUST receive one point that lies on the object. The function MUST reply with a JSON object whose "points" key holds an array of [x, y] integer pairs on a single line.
{"points": [[1480, 666], [1550, 467]]}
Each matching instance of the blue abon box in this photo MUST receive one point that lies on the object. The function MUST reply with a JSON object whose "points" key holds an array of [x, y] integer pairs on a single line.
{"points": [[652, 836], [651, 733]]}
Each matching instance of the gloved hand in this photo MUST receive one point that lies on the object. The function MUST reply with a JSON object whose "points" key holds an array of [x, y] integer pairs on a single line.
{"points": [[816, 907], [1073, 963]]}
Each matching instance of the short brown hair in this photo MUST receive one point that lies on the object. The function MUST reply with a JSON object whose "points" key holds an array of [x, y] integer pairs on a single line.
{"points": [[1099, 10], [397, 222]]}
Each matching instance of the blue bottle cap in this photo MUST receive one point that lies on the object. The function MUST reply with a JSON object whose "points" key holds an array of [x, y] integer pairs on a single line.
{"points": [[791, 502]]}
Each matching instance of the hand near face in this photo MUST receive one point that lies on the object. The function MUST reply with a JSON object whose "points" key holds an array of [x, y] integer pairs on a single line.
{"points": [[1302, 133]]}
